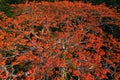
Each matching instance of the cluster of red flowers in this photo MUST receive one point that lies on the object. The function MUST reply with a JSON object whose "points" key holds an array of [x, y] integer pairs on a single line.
{"points": [[60, 41]]}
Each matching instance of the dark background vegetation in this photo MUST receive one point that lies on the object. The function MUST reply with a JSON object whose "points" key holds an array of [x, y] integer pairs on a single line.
{"points": [[110, 3]]}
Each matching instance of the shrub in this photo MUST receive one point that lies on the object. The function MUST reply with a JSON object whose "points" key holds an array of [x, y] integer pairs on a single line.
{"points": [[60, 41]]}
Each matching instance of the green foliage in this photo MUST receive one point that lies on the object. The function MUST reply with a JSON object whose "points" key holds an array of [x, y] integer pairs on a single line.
{"points": [[107, 2], [5, 8], [110, 2], [97, 1], [22, 1], [14, 1]]}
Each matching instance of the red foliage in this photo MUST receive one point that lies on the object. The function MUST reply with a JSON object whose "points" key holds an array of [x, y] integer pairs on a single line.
{"points": [[60, 41]]}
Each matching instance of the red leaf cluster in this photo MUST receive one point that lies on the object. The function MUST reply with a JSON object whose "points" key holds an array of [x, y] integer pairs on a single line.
{"points": [[60, 41]]}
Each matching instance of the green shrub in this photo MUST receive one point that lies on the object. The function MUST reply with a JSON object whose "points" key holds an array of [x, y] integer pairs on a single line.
{"points": [[15, 1], [5, 8]]}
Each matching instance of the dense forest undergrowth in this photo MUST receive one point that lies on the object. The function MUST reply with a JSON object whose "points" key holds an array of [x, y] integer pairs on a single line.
{"points": [[60, 41]]}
